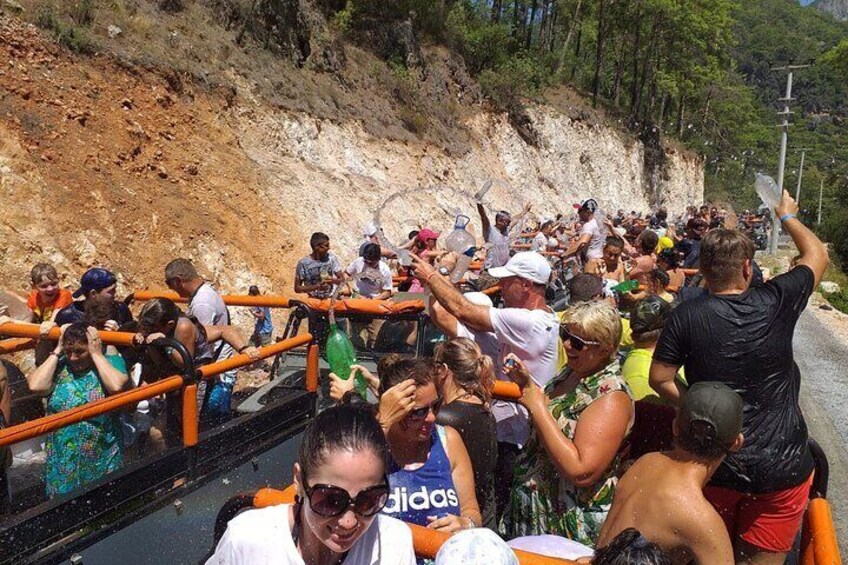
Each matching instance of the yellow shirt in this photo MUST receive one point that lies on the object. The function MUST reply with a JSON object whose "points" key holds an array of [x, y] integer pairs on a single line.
{"points": [[635, 371]]}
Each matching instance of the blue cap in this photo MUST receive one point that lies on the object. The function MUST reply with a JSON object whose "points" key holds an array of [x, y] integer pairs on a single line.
{"points": [[95, 279]]}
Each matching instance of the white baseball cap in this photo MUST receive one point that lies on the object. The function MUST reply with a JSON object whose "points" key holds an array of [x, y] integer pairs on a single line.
{"points": [[370, 229], [526, 265]]}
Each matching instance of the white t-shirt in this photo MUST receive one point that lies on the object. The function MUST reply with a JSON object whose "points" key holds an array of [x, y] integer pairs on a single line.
{"points": [[208, 307], [532, 335], [539, 242], [374, 281], [263, 537], [498, 253], [595, 250]]}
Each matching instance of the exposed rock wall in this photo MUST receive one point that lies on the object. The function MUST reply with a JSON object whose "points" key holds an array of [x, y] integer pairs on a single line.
{"points": [[104, 165], [335, 177]]}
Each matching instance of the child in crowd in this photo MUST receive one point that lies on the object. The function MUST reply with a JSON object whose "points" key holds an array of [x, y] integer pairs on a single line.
{"points": [[44, 302]]}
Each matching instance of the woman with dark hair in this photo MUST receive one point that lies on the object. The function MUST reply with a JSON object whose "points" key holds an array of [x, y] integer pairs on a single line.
{"points": [[430, 473], [162, 318], [75, 373], [340, 476], [466, 377]]}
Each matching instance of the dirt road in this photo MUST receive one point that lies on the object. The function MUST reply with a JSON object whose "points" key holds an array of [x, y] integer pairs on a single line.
{"points": [[821, 351]]}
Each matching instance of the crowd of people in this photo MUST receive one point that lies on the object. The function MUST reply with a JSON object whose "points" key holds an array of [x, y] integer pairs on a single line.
{"points": [[670, 314]]}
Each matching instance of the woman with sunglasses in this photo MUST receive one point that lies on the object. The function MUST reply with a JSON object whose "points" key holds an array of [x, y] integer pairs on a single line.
{"points": [[431, 478], [466, 377], [340, 476], [566, 476]]}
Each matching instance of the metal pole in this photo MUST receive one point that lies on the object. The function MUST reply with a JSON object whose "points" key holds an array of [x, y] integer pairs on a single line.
{"points": [[821, 189], [784, 137], [800, 173]]}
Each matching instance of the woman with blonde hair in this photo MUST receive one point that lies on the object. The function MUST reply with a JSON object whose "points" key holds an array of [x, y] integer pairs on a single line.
{"points": [[566, 477], [466, 376]]}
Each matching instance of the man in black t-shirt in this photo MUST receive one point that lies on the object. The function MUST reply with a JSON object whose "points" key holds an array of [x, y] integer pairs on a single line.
{"points": [[741, 335]]}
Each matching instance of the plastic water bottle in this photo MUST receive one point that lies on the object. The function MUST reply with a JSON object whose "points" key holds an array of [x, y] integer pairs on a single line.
{"points": [[626, 286], [341, 355], [463, 244], [768, 190]]}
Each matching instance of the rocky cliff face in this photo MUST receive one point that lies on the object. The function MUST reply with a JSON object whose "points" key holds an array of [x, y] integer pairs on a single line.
{"points": [[836, 8], [101, 164]]}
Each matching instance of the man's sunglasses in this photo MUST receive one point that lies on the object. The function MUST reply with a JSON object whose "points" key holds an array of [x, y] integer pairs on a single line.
{"points": [[578, 343], [330, 501], [421, 413]]}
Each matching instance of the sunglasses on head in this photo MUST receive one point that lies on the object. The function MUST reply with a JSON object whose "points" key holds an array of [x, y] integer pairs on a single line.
{"points": [[330, 501], [578, 343], [421, 413]]}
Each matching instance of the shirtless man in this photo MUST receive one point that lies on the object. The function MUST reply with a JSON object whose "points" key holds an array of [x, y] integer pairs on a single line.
{"points": [[662, 493], [610, 266]]}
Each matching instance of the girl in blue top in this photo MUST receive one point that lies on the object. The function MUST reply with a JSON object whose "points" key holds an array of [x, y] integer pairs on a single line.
{"points": [[430, 476]]}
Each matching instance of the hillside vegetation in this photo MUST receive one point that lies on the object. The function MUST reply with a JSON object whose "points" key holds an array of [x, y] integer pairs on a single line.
{"points": [[697, 71]]}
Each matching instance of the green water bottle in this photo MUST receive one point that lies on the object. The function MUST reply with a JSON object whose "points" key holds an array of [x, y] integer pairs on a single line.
{"points": [[626, 286], [341, 355]]}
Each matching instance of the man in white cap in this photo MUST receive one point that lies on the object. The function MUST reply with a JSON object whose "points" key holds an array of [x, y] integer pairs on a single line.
{"points": [[371, 234], [525, 327], [590, 244]]}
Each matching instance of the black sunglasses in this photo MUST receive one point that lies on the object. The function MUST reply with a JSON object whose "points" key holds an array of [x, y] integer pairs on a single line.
{"points": [[421, 413], [578, 343], [330, 501]]}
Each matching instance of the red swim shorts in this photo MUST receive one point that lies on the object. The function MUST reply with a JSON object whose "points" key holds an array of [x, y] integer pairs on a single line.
{"points": [[767, 521]]}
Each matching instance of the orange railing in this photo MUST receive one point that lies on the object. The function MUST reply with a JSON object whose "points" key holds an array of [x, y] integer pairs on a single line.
{"points": [[426, 542], [53, 422]]}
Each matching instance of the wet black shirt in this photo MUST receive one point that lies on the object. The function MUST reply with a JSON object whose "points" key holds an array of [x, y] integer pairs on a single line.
{"points": [[745, 341], [476, 426]]}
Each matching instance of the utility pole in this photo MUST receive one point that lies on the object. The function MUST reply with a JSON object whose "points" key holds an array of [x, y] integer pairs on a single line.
{"points": [[821, 189], [800, 173], [775, 226]]}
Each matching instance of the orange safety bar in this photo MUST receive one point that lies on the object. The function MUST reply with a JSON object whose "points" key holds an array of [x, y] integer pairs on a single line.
{"points": [[243, 359], [229, 299], [16, 344], [41, 426], [819, 546], [425, 541], [506, 390], [33, 331], [350, 305]]}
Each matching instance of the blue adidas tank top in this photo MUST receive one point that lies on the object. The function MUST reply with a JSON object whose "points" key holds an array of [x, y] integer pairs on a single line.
{"points": [[426, 491]]}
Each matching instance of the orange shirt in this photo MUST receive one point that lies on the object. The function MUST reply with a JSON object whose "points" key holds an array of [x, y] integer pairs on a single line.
{"points": [[43, 312]]}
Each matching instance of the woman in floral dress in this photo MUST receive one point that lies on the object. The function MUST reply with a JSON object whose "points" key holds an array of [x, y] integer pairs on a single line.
{"points": [[566, 476], [77, 372]]}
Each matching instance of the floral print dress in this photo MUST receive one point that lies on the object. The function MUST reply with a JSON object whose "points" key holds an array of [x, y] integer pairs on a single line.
{"points": [[81, 453], [543, 502]]}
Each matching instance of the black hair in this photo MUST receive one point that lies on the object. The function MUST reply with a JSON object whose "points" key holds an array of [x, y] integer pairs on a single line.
{"points": [[614, 241], [649, 241], [585, 287], [344, 427], [371, 252], [660, 276], [671, 258], [253, 290], [99, 309], [74, 334], [630, 548], [412, 235], [158, 312], [317, 238]]}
